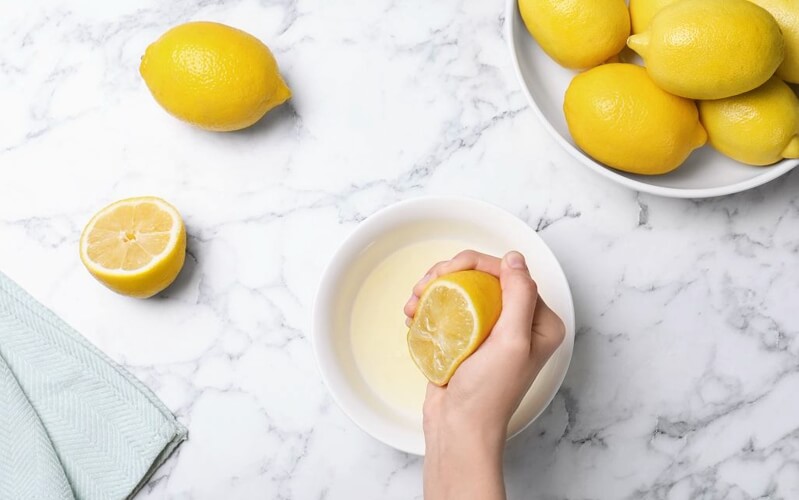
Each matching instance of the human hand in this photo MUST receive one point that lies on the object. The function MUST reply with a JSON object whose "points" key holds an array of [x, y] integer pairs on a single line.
{"points": [[470, 415]]}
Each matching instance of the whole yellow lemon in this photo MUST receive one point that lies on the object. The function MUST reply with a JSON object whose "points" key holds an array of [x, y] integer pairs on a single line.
{"points": [[711, 49], [620, 117], [642, 12], [577, 34], [213, 76], [786, 12], [759, 127]]}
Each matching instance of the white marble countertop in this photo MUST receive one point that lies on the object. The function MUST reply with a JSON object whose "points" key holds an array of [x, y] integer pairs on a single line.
{"points": [[686, 368]]}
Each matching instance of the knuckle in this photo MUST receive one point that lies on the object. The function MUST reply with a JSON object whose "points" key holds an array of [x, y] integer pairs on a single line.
{"points": [[517, 344], [553, 340], [463, 259], [527, 288], [466, 254], [437, 267], [532, 287], [560, 334]]}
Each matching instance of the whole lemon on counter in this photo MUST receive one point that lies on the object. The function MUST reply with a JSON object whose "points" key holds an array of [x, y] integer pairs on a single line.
{"points": [[577, 34], [620, 117], [711, 49], [786, 12], [135, 246], [213, 76], [759, 127], [642, 12]]}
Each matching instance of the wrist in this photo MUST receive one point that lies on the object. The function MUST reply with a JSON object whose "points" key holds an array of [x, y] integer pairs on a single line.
{"points": [[452, 432], [463, 459]]}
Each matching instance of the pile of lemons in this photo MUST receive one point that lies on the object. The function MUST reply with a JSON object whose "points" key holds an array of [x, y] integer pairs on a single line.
{"points": [[215, 77], [714, 71]]}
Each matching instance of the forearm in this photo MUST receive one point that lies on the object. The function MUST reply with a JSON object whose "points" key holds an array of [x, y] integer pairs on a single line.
{"points": [[463, 464]]}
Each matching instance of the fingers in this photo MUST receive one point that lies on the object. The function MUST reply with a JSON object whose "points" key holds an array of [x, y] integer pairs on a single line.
{"points": [[410, 308], [468, 259], [519, 298], [548, 331], [418, 289], [431, 274]]}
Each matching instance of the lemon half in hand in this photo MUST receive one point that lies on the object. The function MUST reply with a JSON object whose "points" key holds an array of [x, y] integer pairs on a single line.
{"points": [[135, 247], [455, 314]]}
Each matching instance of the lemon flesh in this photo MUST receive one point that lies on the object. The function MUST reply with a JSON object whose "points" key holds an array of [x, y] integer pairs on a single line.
{"points": [[710, 49], [213, 76], [577, 34], [135, 247], [760, 127], [620, 117], [786, 12], [455, 314]]}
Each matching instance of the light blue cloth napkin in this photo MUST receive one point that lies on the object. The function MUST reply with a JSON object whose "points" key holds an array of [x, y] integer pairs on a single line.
{"points": [[73, 424]]}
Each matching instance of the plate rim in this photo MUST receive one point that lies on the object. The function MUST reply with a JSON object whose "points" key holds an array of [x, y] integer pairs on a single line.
{"points": [[513, 23], [566, 347]]}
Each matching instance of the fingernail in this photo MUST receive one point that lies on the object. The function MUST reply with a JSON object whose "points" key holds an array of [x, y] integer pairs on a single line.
{"points": [[515, 260]]}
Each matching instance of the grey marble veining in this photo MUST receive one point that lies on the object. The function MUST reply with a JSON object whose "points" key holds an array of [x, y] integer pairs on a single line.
{"points": [[685, 375]]}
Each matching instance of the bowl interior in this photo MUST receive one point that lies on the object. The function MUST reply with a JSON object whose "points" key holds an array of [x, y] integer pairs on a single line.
{"points": [[705, 173], [481, 227]]}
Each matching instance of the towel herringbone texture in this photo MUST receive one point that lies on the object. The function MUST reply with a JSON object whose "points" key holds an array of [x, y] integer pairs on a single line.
{"points": [[73, 424]]}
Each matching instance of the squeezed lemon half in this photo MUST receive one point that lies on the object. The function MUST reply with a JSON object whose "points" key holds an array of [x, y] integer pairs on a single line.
{"points": [[135, 246], [455, 314]]}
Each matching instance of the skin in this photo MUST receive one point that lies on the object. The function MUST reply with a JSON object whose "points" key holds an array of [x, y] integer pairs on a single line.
{"points": [[466, 422]]}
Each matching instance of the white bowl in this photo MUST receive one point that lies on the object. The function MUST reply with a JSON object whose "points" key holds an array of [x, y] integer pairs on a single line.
{"points": [[483, 227], [706, 173]]}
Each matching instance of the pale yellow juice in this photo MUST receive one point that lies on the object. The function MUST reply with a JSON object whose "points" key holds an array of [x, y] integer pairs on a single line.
{"points": [[378, 327]]}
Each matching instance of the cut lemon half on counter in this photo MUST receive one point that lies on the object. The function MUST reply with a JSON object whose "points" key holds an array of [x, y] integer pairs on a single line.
{"points": [[454, 316], [135, 246]]}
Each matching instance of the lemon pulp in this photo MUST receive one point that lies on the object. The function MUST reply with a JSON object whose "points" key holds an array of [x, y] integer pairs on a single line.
{"points": [[456, 313], [135, 246]]}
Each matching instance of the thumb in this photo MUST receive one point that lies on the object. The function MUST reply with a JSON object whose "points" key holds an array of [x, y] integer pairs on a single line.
{"points": [[519, 296]]}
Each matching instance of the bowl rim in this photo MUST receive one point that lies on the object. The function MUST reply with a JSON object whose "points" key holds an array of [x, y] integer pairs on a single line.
{"points": [[375, 218], [512, 25]]}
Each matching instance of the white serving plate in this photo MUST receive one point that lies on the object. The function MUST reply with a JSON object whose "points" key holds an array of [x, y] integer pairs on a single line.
{"points": [[483, 227], [707, 173]]}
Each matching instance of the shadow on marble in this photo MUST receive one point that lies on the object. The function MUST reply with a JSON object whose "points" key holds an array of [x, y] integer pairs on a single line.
{"points": [[186, 276], [782, 189], [284, 114]]}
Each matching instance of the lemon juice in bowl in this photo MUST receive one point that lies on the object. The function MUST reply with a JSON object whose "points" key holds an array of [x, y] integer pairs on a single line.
{"points": [[356, 355], [378, 333]]}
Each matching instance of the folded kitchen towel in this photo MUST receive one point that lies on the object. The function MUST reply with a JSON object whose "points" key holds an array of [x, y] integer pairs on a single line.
{"points": [[73, 424]]}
